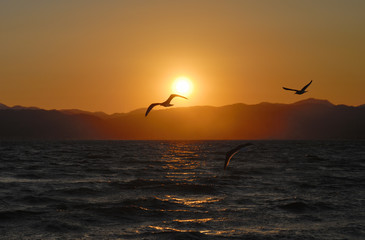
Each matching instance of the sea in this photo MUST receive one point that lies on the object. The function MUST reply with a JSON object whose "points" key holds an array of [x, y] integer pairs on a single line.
{"points": [[179, 190]]}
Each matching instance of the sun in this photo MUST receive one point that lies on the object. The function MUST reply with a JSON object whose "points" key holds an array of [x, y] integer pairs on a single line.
{"points": [[183, 86]]}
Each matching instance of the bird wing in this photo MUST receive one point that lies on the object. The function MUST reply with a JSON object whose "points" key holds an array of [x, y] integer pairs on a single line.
{"points": [[232, 152], [290, 89], [172, 96], [305, 87], [229, 155], [150, 108]]}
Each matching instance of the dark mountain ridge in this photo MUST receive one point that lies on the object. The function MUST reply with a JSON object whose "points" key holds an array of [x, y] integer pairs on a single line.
{"points": [[306, 119]]}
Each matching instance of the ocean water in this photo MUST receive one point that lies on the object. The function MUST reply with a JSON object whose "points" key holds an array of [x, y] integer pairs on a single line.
{"points": [[179, 190]]}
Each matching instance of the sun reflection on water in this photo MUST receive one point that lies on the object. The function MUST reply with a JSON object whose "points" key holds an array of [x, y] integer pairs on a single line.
{"points": [[201, 220], [189, 190], [192, 201], [175, 161], [182, 161], [165, 226]]}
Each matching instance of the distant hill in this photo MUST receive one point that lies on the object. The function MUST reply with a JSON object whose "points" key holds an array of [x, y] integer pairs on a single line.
{"points": [[307, 119], [42, 124], [17, 107]]}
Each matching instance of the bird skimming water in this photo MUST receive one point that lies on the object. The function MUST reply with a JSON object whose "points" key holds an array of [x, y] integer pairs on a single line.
{"points": [[232, 152], [301, 91], [165, 103]]}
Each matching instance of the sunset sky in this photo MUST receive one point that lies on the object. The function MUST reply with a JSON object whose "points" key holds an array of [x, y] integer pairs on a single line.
{"points": [[117, 56]]}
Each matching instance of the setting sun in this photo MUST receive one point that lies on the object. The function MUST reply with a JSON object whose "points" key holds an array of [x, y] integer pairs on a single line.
{"points": [[183, 86]]}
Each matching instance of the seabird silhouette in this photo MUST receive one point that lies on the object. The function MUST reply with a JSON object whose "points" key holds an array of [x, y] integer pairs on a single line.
{"points": [[232, 152], [165, 103], [300, 92]]}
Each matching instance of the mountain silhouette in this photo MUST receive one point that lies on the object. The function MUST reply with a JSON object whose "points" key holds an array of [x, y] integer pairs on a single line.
{"points": [[307, 119]]}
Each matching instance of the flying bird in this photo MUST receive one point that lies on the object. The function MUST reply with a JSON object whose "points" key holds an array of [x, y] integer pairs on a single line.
{"points": [[165, 103], [301, 91], [232, 152]]}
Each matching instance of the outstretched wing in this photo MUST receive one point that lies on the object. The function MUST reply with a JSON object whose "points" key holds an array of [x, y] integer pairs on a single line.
{"points": [[305, 87], [290, 89], [229, 155], [172, 96], [150, 108], [232, 152]]}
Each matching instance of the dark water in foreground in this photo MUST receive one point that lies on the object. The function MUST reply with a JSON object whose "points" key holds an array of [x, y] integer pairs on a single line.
{"points": [[178, 190]]}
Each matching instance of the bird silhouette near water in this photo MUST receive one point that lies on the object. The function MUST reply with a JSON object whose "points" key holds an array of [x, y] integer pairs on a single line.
{"points": [[301, 91], [165, 103], [232, 152]]}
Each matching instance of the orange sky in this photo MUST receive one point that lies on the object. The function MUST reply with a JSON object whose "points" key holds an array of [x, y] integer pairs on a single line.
{"points": [[116, 56]]}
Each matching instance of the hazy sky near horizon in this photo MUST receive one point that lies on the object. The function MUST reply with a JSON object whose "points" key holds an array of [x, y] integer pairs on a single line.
{"points": [[117, 56]]}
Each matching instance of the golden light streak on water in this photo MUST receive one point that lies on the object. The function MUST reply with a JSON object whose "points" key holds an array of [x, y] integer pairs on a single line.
{"points": [[192, 201], [201, 220]]}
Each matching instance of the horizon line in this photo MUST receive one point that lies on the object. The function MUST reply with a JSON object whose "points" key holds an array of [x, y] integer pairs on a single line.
{"points": [[20, 107]]}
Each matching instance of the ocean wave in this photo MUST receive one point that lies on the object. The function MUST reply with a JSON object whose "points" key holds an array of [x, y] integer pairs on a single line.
{"points": [[296, 207], [98, 156], [301, 207], [174, 235], [138, 183], [61, 227], [18, 215], [166, 185], [37, 200], [129, 210], [29, 176], [80, 191]]}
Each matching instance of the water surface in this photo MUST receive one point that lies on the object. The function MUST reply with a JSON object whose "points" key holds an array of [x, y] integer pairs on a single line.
{"points": [[178, 190]]}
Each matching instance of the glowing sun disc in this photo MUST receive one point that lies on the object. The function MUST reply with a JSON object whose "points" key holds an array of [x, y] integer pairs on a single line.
{"points": [[182, 86]]}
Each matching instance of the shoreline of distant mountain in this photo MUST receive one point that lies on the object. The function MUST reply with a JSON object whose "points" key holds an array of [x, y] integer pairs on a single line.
{"points": [[305, 119]]}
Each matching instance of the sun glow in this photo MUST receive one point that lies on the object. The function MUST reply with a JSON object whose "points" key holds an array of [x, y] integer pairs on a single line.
{"points": [[182, 86]]}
